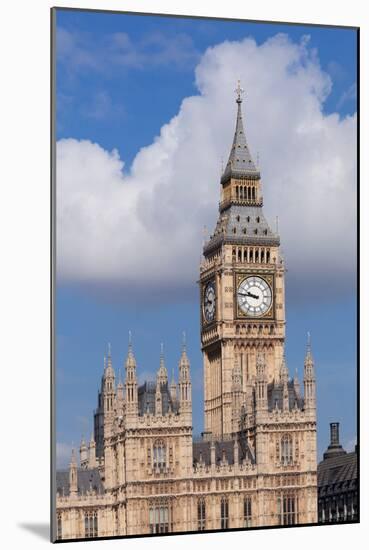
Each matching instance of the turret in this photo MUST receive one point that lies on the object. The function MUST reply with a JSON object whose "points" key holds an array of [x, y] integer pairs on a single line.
{"points": [[173, 389], [212, 454], [161, 381], [92, 453], [131, 381], [73, 480], [261, 386], [296, 384], [109, 389], [284, 382], [185, 399], [235, 452], [120, 396], [236, 396], [83, 453], [309, 379]]}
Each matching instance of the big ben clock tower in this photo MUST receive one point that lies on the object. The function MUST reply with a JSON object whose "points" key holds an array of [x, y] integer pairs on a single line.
{"points": [[242, 292]]}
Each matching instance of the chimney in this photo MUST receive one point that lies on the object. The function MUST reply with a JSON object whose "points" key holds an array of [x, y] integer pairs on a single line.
{"points": [[335, 433], [334, 448]]}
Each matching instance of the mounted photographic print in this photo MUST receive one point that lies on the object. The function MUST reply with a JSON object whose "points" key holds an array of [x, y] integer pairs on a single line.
{"points": [[205, 188]]}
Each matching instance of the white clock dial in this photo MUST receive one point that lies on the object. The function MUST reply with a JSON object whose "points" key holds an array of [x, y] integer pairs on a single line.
{"points": [[209, 302], [254, 296]]}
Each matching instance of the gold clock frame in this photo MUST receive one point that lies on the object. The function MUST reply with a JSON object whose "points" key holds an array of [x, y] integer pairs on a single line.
{"points": [[269, 278]]}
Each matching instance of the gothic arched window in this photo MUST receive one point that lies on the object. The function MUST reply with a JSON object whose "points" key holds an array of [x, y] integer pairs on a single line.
{"points": [[247, 511], [224, 513], [159, 516], [286, 450], [159, 455], [287, 505], [91, 527], [201, 514]]}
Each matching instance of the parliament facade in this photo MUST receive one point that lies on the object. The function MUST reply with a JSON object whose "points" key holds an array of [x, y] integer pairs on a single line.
{"points": [[255, 464]]}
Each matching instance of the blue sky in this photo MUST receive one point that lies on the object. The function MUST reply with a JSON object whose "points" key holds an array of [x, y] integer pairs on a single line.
{"points": [[120, 78]]}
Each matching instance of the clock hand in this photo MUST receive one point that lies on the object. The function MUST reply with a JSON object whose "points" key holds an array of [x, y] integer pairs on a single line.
{"points": [[249, 294]]}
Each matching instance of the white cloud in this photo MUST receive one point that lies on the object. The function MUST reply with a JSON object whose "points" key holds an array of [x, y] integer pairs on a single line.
{"points": [[104, 53], [102, 108], [138, 235], [348, 95]]}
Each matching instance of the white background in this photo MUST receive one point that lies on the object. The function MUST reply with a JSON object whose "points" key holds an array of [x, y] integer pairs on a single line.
{"points": [[25, 260]]}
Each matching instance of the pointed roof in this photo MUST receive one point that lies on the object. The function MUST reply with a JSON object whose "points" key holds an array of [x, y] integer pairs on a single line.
{"points": [[240, 162], [184, 361], [308, 356], [130, 361], [108, 366], [284, 370], [309, 361], [162, 375]]}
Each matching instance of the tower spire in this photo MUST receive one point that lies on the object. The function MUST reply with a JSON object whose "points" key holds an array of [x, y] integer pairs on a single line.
{"points": [[239, 91], [131, 379], [184, 382], [131, 361], [108, 366], [309, 377], [73, 482], [184, 343], [162, 376], [240, 163], [308, 344]]}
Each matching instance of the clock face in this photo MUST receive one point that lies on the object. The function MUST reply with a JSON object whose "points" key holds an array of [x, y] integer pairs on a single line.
{"points": [[254, 296], [209, 302]]}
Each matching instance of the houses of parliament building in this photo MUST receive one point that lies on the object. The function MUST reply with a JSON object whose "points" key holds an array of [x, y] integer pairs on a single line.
{"points": [[255, 464]]}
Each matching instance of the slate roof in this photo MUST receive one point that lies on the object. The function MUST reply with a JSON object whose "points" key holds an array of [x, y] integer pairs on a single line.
{"points": [[146, 398], [240, 162], [337, 474], [275, 395], [86, 480], [203, 449], [244, 225]]}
